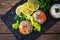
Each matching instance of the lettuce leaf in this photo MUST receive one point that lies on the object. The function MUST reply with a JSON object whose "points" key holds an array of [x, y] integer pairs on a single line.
{"points": [[37, 26], [15, 25]]}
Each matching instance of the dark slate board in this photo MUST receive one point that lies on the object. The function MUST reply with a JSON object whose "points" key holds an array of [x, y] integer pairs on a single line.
{"points": [[8, 20]]}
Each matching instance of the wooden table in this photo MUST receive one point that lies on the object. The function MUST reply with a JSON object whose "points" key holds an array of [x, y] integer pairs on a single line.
{"points": [[52, 34]]}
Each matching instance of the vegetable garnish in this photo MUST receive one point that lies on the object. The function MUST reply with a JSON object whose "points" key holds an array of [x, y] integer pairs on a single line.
{"points": [[42, 16], [18, 19], [57, 10], [15, 25], [37, 26], [44, 4], [22, 30]]}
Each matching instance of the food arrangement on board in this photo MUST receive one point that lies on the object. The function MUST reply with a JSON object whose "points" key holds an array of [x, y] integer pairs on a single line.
{"points": [[30, 16]]}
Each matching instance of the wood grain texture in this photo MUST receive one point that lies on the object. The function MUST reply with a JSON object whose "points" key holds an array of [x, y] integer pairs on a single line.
{"points": [[49, 37], [7, 37], [42, 37], [3, 28], [5, 5], [55, 28], [5, 34]]}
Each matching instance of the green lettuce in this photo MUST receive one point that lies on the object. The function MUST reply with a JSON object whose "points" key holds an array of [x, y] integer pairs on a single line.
{"points": [[37, 26], [15, 25]]}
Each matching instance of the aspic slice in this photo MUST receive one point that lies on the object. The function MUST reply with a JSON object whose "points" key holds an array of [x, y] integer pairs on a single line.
{"points": [[19, 9], [25, 9], [33, 5]]}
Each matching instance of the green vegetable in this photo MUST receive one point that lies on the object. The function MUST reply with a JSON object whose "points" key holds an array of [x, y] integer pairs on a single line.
{"points": [[20, 17], [16, 17], [37, 26], [29, 17], [15, 25], [57, 10], [44, 4]]}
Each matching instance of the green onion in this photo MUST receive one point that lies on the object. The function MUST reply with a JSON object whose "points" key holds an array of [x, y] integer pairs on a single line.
{"points": [[57, 10]]}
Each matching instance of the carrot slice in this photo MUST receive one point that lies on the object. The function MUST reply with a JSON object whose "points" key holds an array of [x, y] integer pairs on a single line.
{"points": [[22, 30], [42, 16]]}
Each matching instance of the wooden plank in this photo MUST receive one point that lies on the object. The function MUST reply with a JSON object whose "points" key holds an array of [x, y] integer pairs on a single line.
{"points": [[8, 0], [3, 28], [1, 22], [7, 37], [42, 37], [49, 37], [6, 5], [55, 28]]}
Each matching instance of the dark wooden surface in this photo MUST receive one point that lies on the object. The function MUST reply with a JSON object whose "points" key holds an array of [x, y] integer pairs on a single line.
{"points": [[52, 34]]}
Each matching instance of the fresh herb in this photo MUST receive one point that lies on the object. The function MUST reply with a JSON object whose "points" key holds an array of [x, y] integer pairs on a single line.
{"points": [[16, 17], [20, 17], [57, 10], [44, 4]]}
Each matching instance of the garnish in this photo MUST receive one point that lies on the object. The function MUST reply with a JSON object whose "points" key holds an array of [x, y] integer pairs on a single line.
{"points": [[57, 10], [44, 4], [37, 26], [15, 25]]}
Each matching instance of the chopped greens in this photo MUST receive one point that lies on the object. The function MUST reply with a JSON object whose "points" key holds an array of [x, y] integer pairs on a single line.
{"points": [[44, 4], [20, 17], [57, 10], [16, 17]]}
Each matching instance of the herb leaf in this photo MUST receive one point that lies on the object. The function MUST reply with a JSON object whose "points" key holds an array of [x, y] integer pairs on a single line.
{"points": [[57, 10], [44, 4]]}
